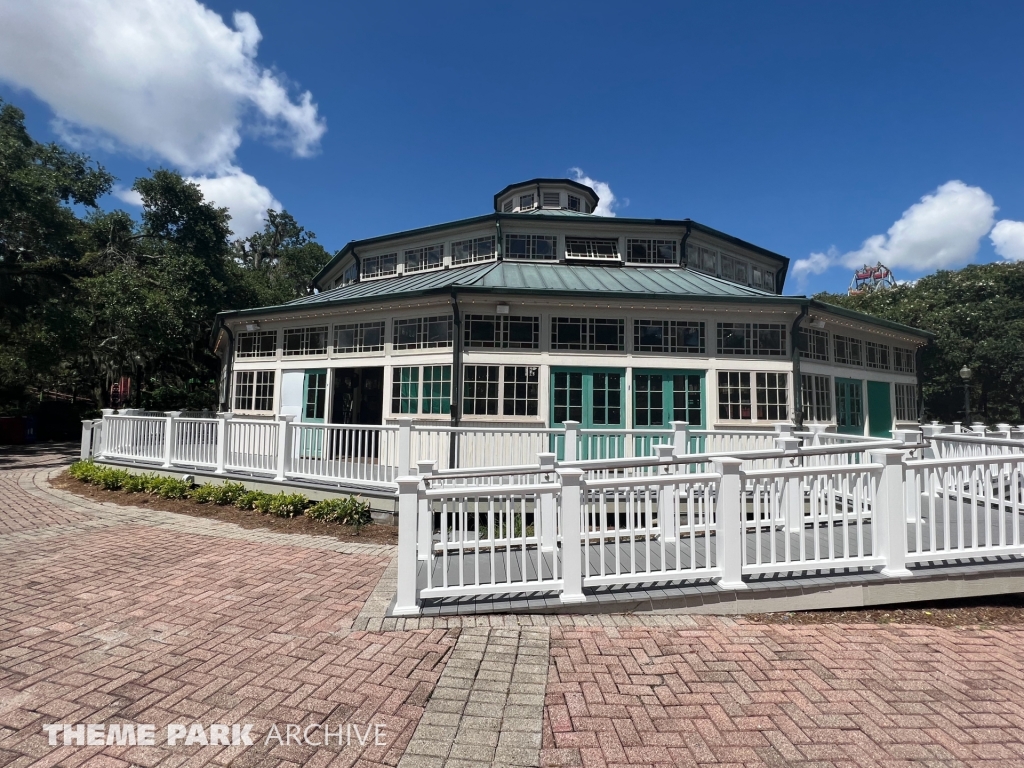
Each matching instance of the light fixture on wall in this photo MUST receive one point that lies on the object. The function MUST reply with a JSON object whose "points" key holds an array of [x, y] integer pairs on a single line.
{"points": [[503, 309], [254, 326], [817, 322]]}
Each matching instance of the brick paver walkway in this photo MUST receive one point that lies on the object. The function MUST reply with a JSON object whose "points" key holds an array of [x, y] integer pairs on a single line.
{"points": [[114, 614]]}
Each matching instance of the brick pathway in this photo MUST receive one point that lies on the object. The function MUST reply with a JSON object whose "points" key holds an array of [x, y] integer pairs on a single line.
{"points": [[118, 614]]}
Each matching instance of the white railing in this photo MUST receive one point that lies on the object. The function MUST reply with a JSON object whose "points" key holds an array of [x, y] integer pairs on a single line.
{"points": [[251, 446], [967, 445], [332, 451], [810, 518], [964, 507], [481, 446], [194, 442], [139, 438]]}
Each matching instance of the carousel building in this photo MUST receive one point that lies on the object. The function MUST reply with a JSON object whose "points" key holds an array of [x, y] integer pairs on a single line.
{"points": [[542, 312]]}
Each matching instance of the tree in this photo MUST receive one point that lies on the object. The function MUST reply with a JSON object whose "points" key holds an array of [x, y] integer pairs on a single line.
{"points": [[978, 316], [279, 263]]}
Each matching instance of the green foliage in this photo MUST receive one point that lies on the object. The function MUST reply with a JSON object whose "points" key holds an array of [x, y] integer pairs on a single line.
{"points": [[287, 504], [88, 296], [978, 316], [348, 511]]}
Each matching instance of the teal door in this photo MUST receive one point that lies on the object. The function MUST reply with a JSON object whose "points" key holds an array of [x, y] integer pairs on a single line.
{"points": [[594, 398], [849, 407], [661, 397], [879, 409], [314, 411]]}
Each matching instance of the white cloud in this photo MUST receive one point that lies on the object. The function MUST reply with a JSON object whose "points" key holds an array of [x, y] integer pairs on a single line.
{"points": [[607, 202], [245, 198], [942, 231], [1008, 239], [159, 78]]}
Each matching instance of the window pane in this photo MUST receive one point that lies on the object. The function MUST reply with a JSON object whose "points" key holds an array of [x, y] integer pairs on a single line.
{"points": [[520, 390]]}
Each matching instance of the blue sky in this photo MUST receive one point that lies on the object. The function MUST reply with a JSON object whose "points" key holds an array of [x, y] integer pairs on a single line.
{"points": [[806, 128]]}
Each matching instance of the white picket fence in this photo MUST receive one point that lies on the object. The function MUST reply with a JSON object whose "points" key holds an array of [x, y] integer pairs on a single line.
{"points": [[688, 517]]}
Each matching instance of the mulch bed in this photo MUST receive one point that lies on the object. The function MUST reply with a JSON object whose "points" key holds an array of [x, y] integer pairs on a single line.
{"points": [[983, 612], [246, 518]]}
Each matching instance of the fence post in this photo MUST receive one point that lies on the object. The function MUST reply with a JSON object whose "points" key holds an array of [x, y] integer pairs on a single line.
{"points": [[284, 445], [729, 528], [572, 435], [792, 493], [404, 445], [169, 418], [222, 441], [86, 439], [409, 491], [817, 430], [425, 531], [889, 511], [548, 532], [572, 560], [668, 513], [680, 438]]}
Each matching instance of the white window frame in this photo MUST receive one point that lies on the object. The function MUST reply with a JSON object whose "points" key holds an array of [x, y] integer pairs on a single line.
{"points": [[306, 334], [422, 341], [758, 395], [816, 394], [531, 242], [255, 335], [906, 402], [752, 340], [590, 248], [253, 380], [810, 334], [379, 265], [479, 249], [360, 346], [416, 259]]}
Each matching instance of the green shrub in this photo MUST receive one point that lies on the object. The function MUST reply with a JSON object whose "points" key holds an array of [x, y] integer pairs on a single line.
{"points": [[287, 504], [226, 493], [172, 488], [349, 511], [203, 494], [84, 471], [154, 483], [111, 479], [136, 484], [250, 499]]}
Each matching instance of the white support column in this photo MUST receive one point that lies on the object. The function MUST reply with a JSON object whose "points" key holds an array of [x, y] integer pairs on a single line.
{"points": [[889, 513], [548, 521], [729, 534], [222, 441], [571, 440], [668, 513], [680, 438], [404, 445], [107, 429], [169, 438], [406, 600], [425, 531], [86, 451], [792, 492], [285, 433], [572, 555]]}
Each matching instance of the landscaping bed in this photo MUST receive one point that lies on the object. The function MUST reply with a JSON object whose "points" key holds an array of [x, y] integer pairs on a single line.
{"points": [[984, 612], [343, 519]]}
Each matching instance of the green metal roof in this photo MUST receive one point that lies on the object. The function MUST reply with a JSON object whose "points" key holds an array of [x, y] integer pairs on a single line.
{"points": [[555, 279], [555, 215]]}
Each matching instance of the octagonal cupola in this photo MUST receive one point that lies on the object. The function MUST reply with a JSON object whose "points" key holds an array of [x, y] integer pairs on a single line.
{"points": [[543, 195]]}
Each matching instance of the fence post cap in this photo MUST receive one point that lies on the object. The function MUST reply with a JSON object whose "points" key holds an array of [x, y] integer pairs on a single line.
{"points": [[931, 430], [225, 415], [664, 451], [546, 459], [107, 411], [679, 424], [784, 428], [570, 424], [286, 417], [886, 456], [405, 421], [570, 475], [426, 466], [727, 465], [408, 484], [172, 414], [788, 443], [90, 422]]}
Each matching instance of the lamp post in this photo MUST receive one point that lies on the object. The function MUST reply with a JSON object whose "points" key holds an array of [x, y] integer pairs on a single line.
{"points": [[965, 374]]}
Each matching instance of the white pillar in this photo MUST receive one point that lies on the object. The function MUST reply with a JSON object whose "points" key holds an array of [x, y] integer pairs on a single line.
{"points": [[222, 441], [571, 440], [285, 434], [572, 562], [425, 531], [86, 451], [406, 601], [792, 501], [668, 512], [169, 438], [548, 520], [729, 528], [680, 438], [404, 445], [889, 513]]}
